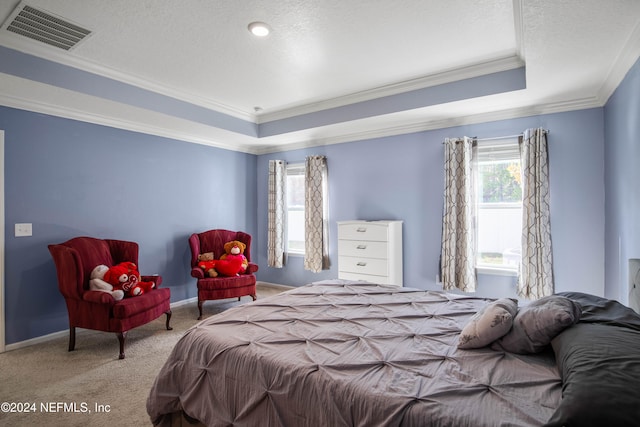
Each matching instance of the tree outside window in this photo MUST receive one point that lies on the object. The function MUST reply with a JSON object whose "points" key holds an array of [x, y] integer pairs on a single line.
{"points": [[499, 193]]}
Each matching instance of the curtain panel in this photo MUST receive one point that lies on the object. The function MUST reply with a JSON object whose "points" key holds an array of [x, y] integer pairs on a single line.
{"points": [[316, 210], [458, 250], [276, 216], [536, 267]]}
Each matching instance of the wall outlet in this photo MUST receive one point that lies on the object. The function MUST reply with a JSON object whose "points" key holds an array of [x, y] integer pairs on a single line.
{"points": [[23, 230]]}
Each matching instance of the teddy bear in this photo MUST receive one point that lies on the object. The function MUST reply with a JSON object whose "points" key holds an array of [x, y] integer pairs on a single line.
{"points": [[235, 250], [207, 263], [97, 283], [215, 267], [125, 276]]}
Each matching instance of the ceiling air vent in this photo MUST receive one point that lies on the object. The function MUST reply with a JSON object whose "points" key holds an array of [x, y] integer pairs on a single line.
{"points": [[38, 25]]}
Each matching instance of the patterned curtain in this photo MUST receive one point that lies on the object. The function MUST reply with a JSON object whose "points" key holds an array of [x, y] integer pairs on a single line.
{"points": [[458, 254], [536, 267], [316, 210], [276, 213]]}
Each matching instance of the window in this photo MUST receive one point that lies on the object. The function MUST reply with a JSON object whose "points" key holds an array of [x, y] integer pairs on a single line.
{"points": [[499, 198], [295, 208]]}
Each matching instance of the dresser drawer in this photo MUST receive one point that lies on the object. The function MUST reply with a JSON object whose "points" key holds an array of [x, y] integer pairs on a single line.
{"points": [[363, 231], [382, 280], [363, 248], [372, 266]]}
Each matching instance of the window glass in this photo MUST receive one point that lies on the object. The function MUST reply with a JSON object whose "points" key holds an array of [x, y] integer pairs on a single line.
{"points": [[295, 208], [499, 198]]}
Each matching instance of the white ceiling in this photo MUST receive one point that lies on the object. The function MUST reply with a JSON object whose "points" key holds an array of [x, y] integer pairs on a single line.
{"points": [[325, 54]]}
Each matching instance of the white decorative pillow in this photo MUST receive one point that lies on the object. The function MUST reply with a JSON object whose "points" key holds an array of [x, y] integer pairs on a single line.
{"points": [[492, 322]]}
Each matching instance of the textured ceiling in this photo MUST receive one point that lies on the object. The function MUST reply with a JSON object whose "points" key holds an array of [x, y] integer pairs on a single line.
{"points": [[322, 55]]}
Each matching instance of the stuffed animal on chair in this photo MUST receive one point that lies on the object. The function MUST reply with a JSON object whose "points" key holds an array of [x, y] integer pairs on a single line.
{"points": [[229, 267], [208, 264], [125, 276], [235, 250], [97, 283], [215, 267]]}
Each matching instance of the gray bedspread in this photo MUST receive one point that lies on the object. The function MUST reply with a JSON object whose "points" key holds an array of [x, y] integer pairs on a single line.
{"points": [[345, 353]]}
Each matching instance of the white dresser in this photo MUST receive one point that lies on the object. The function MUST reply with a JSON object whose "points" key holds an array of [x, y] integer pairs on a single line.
{"points": [[371, 251]]}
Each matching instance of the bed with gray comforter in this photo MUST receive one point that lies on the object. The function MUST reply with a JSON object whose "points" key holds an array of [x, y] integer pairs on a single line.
{"points": [[341, 353]]}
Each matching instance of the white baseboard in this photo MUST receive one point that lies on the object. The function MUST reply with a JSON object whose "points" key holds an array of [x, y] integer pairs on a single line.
{"points": [[37, 340], [184, 302], [273, 285], [56, 335], [79, 331]]}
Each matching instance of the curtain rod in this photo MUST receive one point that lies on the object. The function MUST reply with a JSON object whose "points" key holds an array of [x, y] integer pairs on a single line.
{"points": [[506, 137], [475, 138], [498, 137], [503, 137]]}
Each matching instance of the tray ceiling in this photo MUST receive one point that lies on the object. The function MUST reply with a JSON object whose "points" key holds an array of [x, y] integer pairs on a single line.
{"points": [[330, 71]]}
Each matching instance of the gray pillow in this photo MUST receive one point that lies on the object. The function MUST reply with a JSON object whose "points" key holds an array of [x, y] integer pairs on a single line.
{"points": [[538, 323], [490, 323]]}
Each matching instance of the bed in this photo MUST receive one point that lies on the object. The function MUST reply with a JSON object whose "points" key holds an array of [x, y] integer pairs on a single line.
{"points": [[343, 353]]}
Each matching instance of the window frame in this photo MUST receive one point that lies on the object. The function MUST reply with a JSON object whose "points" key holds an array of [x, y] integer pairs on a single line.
{"points": [[293, 169], [498, 146]]}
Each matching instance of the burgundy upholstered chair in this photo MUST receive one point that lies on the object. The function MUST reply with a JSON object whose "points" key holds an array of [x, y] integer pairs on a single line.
{"points": [[221, 287], [89, 309]]}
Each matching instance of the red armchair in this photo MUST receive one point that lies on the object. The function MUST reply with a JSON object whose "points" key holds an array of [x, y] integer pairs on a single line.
{"points": [[221, 287], [74, 260]]}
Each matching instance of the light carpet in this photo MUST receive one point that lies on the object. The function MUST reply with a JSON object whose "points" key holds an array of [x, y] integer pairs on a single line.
{"points": [[46, 385]]}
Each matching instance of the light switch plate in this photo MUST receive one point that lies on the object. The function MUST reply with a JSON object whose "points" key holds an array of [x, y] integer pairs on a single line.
{"points": [[24, 229]]}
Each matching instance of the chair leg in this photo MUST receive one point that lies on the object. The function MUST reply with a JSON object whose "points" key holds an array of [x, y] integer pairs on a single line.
{"points": [[72, 338], [121, 338], [200, 302], [168, 313]]}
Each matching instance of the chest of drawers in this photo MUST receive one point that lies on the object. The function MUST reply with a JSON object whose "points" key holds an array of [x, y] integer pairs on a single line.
{"points": [[371, 251]]}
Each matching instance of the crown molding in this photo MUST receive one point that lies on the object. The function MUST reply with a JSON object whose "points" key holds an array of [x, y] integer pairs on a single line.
{"points": [[488, 67], [629, 54], [518, 22], [114, 122], [259, 149], [414, 126], [48, 53]]}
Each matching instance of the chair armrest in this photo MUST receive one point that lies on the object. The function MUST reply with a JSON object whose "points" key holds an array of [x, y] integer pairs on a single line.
{"points": [[156, 278], [98, 297], [197, 272], [251, 268]]}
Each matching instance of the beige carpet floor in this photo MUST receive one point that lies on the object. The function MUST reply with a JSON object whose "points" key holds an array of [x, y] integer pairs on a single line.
{"points": [[49, 386]]}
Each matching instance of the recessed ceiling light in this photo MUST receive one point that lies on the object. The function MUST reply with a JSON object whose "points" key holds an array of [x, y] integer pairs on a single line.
{"points": [[259, 29]]}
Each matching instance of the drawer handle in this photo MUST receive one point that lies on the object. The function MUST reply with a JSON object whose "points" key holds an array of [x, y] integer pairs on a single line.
{"points": [[361, 264], [361, 229], [361, 247]]}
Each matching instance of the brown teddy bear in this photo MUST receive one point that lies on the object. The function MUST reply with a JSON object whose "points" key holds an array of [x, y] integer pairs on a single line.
{"points": [[207, 263], [235, 250]]}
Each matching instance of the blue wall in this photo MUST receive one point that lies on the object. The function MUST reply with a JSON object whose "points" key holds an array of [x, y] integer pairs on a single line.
{"points": [[70, 178], [622, 160], [401, 177]]}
